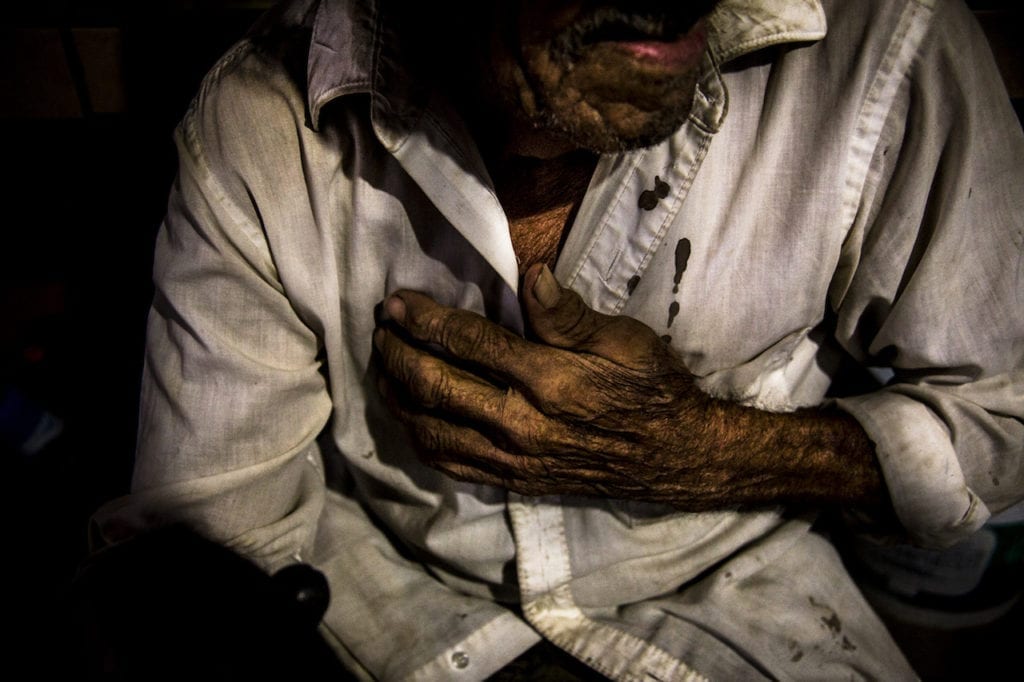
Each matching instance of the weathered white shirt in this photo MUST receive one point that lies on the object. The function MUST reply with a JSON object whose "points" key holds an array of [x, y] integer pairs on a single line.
{"points": [[843, 200]]}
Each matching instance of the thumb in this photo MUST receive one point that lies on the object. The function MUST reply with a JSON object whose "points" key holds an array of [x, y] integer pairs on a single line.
{"points": [[560, 318]]}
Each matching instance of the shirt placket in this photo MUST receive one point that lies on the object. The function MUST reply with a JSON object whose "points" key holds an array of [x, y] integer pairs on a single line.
{"points": [[631, 203]]}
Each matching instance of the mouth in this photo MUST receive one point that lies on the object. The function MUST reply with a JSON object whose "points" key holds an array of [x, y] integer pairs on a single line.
{"points": [[682, 52], [625, 29], [609, 75], [666, 23]]}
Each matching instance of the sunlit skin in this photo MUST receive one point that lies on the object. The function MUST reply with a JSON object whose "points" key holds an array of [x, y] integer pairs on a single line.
{"points": [[606, 79], [567, 75], [590, 404]]}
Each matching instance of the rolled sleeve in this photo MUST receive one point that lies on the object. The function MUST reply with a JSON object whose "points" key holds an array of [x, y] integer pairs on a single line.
{"points": [[922, 472]]}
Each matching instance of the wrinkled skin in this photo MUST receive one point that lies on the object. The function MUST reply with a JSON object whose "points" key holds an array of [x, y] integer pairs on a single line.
{"points": [[554, 416], [592, 92], [595, 405], [544, 77], [590, 404]]}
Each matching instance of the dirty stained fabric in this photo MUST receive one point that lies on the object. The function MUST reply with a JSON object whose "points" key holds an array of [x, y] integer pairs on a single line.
{"points": [[849, 199]]}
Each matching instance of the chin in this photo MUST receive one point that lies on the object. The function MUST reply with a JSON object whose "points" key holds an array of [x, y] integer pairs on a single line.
{"points": [[604, 99], [604, 137], [612, 126]]}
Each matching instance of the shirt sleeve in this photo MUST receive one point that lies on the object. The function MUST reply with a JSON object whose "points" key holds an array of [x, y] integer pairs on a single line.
{"points": [[931, 288], [233, 398]]}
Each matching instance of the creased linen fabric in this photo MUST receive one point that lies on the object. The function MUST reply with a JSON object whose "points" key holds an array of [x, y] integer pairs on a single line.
{"points": [[843, 200]]}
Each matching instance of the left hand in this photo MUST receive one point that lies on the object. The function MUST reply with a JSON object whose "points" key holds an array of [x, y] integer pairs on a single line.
{"points": [[599, 405]]}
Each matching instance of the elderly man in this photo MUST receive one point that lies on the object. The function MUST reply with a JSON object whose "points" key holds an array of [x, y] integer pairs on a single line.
{"points": [[555, 320]]}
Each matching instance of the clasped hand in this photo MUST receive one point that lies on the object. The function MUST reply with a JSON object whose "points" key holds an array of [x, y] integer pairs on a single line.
{"points": [[593, 405]]}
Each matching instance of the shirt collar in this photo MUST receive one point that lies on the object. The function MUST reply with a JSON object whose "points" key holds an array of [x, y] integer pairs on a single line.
{"points": [[342, 53], [739, 27], [353, 51]]}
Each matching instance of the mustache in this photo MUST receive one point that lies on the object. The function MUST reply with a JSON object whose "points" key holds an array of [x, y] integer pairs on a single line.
{"points": [[654, 20]]}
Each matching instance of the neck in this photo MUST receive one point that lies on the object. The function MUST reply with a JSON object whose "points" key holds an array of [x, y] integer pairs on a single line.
{"points": [[541, 198], [528, 185], [540, 177]]}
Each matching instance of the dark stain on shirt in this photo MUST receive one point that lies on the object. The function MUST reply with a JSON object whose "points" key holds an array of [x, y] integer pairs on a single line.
{"points": [[649, 198], [631, 284], [667, 339], [682, 258], [673, 310], [833, 623]]}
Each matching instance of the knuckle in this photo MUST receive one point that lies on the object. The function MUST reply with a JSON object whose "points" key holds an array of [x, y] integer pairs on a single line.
{"points": [[566, 394], [411, 369], [390, 352], [430, 439], [574, 316], [553, 391], [427, 380], [436, 391], [435, 325], [530, 437], [451, 469], [398, 358], [520, 425], [467, 336], [540, 467], [547, 378]]}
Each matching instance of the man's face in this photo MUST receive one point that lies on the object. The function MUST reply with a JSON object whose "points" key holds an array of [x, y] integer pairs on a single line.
{"points": [[606, 76]]}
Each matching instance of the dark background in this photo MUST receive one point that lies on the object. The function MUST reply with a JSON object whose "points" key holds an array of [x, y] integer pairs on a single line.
{"points": [[89, 95]]}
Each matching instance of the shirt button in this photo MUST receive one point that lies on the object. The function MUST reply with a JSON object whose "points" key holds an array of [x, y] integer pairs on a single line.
{"points": [[460, 659]]}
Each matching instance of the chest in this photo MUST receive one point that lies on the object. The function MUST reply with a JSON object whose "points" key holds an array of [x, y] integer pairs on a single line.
{"points": [[540, 200], [537, 238]]}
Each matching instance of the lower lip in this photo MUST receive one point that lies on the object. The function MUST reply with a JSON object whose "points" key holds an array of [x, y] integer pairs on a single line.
{"points": [[683, 52]]}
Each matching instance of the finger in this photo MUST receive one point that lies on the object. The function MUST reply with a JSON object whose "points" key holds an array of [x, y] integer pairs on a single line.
{"points": [[585, 486], [430, 382], [468, 474], [440, 440], [508, 418], [469, 337], [560, 318], [443, 440], [466, 454], [536, 487], [426, 382]]}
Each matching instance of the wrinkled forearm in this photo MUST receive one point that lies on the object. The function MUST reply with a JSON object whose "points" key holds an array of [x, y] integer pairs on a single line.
{"points": [[816, 456]]}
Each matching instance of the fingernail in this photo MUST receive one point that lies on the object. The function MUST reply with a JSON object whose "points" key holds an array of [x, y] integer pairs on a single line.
{"points": [[546, 288], [394, 307]]}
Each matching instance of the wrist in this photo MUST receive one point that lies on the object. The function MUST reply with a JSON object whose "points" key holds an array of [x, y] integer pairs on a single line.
{"points": [[748, 456]]}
